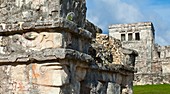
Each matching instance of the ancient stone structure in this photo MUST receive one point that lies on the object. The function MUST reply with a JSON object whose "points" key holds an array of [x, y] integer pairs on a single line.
{"points": [[152, 62], [48, 47], [163, 63]]}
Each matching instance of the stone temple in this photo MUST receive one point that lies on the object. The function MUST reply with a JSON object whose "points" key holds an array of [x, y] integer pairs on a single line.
{"points": [[48, 47], [153, 61]]}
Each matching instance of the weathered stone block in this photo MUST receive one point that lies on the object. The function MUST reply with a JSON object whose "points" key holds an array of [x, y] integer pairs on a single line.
{"points": [[49, 74], [31, 41]]}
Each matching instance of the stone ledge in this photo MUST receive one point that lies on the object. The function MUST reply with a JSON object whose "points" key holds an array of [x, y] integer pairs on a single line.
{"points": [[60, 53], [131, 27], [60, 24], [129, 51], [46, 54], [140, 24], [112, 68], [118, 68]]}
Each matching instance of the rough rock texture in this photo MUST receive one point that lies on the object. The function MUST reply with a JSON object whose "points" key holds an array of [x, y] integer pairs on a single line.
{"points": [[109, 51], [46, 48], [18, 11], [153, 61], [163, 63]]}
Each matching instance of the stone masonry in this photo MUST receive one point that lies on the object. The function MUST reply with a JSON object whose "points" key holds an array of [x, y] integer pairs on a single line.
{"points": [[152, 63], [48, 47], [163, 61]]}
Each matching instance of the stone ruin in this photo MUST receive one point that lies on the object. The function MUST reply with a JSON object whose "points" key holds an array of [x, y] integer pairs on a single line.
{"points": [[152, 63], [48, 47]]}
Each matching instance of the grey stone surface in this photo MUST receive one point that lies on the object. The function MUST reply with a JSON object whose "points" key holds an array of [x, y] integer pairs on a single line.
{"points": [[42, 10], [113, 88]]}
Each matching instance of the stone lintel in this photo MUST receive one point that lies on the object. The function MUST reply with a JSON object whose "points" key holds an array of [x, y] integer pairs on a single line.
{"points": [[132, 27], [114, 68], [129, 51], [117, 68]]}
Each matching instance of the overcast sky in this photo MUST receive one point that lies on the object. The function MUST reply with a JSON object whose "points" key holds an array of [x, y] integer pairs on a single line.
{"points": [[106, 12]]}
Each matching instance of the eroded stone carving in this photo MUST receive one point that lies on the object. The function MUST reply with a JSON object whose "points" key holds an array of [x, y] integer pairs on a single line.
{"points": [[39, 41], [30, 40]]}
